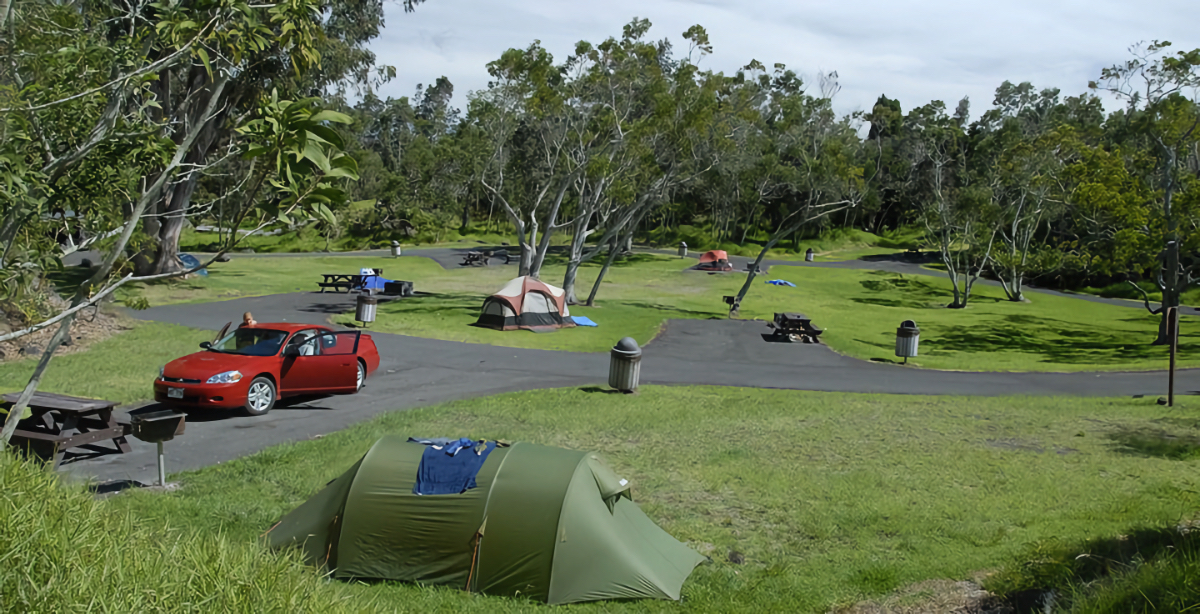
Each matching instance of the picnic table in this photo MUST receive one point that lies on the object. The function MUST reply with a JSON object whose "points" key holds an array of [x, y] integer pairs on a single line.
{"points": [[484, 258], [473, 258], [795, 326], [339, 282], [347, 282], [59, 422]]}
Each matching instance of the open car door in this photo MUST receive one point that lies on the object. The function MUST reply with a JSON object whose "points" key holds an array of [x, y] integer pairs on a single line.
{"points": [[330, 366], [224, 329]]}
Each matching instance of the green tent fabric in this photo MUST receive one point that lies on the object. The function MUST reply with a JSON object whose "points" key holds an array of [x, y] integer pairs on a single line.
{"points": [[544, 523]]}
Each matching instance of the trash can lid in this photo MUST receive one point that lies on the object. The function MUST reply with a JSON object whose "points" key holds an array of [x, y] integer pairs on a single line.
{"points": [[395, 244], [627, 346], [683, 244], [908, 324]]}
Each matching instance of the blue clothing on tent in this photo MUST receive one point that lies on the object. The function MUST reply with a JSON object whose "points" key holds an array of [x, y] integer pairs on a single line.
{"points": [[582, 321], [780, 282], [451, 470]]}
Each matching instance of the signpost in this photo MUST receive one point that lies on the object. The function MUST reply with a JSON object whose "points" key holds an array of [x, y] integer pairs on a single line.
{"points": [[1173, 333]]}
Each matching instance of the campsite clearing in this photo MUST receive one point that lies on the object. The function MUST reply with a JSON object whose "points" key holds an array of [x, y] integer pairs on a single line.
{"points": [[858, 309], [825, 498]]}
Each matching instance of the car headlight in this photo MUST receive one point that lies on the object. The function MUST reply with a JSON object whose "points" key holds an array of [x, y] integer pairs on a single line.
{"points": [[227, 377], [162, 371]]}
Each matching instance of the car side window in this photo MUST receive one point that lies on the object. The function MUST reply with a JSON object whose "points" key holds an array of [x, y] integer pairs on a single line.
{"points": [[306, 342]]}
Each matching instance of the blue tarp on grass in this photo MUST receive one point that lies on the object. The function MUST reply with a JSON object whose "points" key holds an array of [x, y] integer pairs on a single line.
{"points": [[582, 321], [189, 261], [780, 282]]}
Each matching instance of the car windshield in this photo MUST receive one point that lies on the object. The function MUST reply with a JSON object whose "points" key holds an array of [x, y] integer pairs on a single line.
{"points": [[251, 342]]}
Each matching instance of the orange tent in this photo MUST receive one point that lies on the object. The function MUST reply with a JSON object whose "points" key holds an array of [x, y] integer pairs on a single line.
{"points": [[716, 260]]}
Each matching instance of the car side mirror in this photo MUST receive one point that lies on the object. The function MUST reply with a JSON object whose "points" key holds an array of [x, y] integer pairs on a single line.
{"points": [[206, 345], [291, 350]]}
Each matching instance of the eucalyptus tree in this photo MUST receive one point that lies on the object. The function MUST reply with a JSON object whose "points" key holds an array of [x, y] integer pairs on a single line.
{"points": [[625, 84], [953, 211], [821, 160], [1015, 152], [1162, 93], [678, 142], [525, 114]]}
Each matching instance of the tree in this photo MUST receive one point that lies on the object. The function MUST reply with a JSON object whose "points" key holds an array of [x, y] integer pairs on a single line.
{"points": [[323, 48], [1016, 155], [1160, 92], [952, 210], [820, 168], [295, 157], [525, 115]]}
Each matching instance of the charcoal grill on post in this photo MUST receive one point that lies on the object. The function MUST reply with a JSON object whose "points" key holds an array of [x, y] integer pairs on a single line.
{"points": [[157, 427]]}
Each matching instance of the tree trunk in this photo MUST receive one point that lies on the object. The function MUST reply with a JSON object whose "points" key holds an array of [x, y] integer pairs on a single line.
{"points": [[612, 255], [539, 258], [737, 301], [1171, 284], [173, 207]]}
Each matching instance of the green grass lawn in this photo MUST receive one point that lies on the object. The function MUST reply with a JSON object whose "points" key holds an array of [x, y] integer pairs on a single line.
{"points": [[831, 498], [121, 368], [859, 310]]}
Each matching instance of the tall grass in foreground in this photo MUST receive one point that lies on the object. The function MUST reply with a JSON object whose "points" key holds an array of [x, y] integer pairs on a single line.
{"points": [[63, 551]]}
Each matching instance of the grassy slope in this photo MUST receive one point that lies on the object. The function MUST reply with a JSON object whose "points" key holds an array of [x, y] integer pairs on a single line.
{"points": [[832, 498], [121, 368], [64, 551], [858, 309]]}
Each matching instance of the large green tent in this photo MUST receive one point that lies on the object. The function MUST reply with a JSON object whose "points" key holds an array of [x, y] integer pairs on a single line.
{"points": [[546, 523]]}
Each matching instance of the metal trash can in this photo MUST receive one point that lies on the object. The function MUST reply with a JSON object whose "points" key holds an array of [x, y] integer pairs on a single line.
{"points": [[625, 366], [682, 249], [808, 255], [395, 249], [907, 338], [364, 309]]}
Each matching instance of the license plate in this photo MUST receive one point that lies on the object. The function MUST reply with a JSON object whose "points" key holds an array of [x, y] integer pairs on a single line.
{"points": [[174, 393]]}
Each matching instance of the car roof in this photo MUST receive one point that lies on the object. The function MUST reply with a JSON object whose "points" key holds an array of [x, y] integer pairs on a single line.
{"points": [[290, 327]]}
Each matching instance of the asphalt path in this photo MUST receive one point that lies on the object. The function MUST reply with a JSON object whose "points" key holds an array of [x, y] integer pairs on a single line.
{"points": [[416, 372]]}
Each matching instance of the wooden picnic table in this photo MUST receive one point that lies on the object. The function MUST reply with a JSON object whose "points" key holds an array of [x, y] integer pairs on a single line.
{"points": [[59, 422], [798, 325], [347, 282], [473, 258]]}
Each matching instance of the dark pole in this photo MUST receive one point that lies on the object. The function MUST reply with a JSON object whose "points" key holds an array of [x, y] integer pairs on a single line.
{"points": [[1173, 323]]}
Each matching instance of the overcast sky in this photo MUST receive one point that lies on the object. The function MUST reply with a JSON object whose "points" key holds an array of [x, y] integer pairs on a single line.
{"points": [[915, 51]]}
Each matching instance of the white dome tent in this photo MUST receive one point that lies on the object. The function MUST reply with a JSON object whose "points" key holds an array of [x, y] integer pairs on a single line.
{"points": [[526, 303]]}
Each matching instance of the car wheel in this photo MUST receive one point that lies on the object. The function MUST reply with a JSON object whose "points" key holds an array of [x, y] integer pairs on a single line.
{"points": [[260, 397], [362, 376]]}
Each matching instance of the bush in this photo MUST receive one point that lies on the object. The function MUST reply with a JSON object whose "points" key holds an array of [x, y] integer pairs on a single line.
{"points": [[64, 551]]}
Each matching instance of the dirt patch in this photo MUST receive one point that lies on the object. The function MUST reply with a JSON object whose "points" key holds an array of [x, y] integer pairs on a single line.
{"points": [[933, 596], [1015, 444], [91, 325]]}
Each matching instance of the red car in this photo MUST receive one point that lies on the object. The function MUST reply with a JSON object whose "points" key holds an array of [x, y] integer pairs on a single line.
{"points": [[255, 365]]}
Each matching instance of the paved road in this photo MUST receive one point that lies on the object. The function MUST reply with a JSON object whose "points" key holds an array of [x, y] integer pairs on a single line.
{"points": [[416, 372]]}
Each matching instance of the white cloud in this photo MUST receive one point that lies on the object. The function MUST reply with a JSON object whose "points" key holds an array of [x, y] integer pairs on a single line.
{"points": [[913, 51]]}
